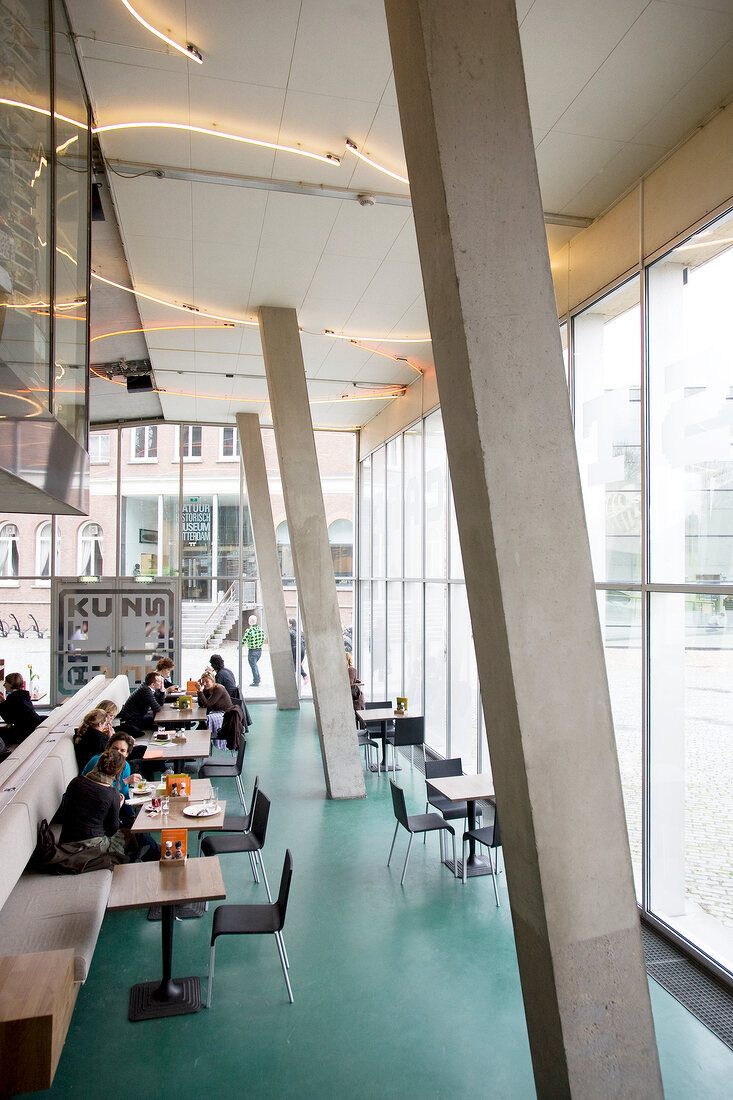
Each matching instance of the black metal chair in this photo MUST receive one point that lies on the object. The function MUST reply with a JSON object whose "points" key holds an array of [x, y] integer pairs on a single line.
{"points": [[235, 823], [406, 732], [376, 727], [436, 769], [366, 743], [252, 842], [212, 768], [490, 837], [417, 823], [249, 920]]}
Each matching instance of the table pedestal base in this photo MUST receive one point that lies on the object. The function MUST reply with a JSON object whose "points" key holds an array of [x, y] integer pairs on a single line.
{"points": [[154, 1000], [383, 768], [184, 911], [480, 866]]}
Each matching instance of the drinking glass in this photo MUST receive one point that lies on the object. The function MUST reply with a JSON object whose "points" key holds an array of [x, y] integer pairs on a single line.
{"points": [[166, 805], [213, 799], [156, 802]]}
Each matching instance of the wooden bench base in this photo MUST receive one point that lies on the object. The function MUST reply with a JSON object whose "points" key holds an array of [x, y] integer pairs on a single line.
{"points": [[37, 997]]}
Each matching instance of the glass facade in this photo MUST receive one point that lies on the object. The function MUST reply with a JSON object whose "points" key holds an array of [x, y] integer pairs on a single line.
{"points": [[651, 388]]}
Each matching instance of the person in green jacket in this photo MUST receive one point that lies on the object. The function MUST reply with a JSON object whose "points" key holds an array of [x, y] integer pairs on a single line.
{"points": [[254, 639]]}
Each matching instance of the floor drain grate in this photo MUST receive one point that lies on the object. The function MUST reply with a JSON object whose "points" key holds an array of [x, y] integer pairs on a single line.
{"points": [[688, 983]]}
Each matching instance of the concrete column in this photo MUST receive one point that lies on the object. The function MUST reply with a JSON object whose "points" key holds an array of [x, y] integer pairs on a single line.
{"points": [[478, 215], [296, 450], [268, 567]]}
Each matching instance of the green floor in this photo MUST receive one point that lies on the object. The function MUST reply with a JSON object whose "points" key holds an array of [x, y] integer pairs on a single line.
{"points": [[404, 993]]}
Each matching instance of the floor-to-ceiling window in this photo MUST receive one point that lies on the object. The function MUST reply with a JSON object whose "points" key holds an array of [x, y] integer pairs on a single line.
{"points": [[650, 375]]}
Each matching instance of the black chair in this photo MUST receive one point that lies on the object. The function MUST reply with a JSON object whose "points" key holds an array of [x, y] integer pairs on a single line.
{"points": [[417, 823], [490, 837], [436, 769], [366, 743], [407, 731], [212, 768], [252, 842], [249, 920], [236, 823], [376, 727]]}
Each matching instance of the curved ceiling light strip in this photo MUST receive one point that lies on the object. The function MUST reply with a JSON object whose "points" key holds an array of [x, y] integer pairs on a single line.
{"points": [[190, 50], [351, 145], [386, 355], [159, 328], [325, 158], [42, 111], [174, 305], [375, 339]]}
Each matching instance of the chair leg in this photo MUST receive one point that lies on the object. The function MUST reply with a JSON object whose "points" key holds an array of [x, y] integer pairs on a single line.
{"points": [[240, 789], [455, 862], [258, 856], [463, 854], [440, 842], [282, 943], [394, 838], [404, 869], [211, 975], [493, 876], [282, 963], [253, 862]]}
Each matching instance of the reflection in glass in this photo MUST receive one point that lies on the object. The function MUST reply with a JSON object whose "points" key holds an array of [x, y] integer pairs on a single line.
{"points": [[691, 412], [463, 682], [413, 501], [395, 635], [436, 665], [413, 674], [394, 507], [379, 513], [691, 772], [620, 617], [379, 639], [607, 362], [436, 530]]}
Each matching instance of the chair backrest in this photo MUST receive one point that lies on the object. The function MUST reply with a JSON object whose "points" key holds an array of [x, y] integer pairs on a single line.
{"points": [[240, 753], [408, 731], [260, 815], [284, 891], [436, 769], [253, 803], [398, 804], [376, 705], [497, 831]]}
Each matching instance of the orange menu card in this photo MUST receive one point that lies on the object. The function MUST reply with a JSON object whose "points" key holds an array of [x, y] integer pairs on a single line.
{"points": [[178, 786], [173, 845]]}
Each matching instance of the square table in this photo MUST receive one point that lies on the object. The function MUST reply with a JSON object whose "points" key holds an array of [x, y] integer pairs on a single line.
{"points": [[467, 788], [176, 819], [383, 715], [200, 789], [138, 885], [196, 746], [168, 716]]}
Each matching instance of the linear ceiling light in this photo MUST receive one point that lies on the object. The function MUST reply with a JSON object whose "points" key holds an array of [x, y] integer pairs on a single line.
{"points": [[376, 339], [173, 305], [190, 50], [386, 355], [158, 328], [368, 160], [42, 111], [325, 158]]}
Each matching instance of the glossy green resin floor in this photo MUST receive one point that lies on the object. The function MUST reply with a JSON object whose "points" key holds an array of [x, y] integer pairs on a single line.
{"points": [[404, 993]]}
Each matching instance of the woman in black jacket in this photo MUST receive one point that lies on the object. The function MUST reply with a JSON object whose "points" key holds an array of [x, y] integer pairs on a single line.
{"points": [[91, 814], [17, 709], [92, 737]]}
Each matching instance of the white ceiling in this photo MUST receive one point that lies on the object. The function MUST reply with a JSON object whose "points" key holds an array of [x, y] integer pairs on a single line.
{"points": [[613, 86]]}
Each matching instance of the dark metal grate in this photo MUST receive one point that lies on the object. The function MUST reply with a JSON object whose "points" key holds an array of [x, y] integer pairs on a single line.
{"points": [[696, 990]]}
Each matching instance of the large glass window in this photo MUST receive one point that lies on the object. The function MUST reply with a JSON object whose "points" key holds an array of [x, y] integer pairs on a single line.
{"points": [[607, 359], [9, 552]]}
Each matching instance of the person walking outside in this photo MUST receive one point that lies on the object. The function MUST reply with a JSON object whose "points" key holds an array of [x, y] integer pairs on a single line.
{"points": [[293, 627], [254, 639]]}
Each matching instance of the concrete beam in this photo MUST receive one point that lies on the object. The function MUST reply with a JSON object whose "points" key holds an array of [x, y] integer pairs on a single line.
{"points": [[476, 201], [268, 567], [306, 514]]}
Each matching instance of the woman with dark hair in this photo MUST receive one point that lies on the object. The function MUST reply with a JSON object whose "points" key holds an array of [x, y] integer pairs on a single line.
{"points": [[216, 700], [16, 708], [123, 743], [164, 668], [92, 736], [357, 695], [91, 815]]}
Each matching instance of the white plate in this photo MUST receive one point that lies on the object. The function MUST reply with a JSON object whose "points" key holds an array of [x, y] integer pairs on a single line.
{"points": [[200, 811]]}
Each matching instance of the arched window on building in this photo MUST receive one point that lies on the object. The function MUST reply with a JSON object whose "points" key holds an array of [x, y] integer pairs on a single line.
{"points": [[284, 553], [91, 561], [8, 553], [341, 538], [43, 551]]}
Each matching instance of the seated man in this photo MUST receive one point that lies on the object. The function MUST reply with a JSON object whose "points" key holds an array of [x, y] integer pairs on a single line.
{"points": [[17, 709], [141, 702]]}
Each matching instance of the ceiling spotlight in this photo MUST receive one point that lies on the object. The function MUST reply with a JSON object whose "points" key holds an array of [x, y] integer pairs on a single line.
{"points": [[365, 200]]}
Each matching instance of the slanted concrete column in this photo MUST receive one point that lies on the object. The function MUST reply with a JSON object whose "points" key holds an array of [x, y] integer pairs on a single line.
{"points": [[296, 450], [483, 251], [268, 567]]}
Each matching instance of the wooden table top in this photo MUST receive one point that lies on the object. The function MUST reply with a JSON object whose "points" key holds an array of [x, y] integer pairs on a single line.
{"points": [[460, 788], [385, 714], [200, 788], [197, 744], [176, 819], [135, 885], [168, 715]]}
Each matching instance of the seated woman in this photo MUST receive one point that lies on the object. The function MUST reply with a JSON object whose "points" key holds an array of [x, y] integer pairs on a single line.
{"points": [[124, 744], [17, 709], [164, 668], [357, 695], [217, 701], [111, 710], [92, 736], [91, 815]]}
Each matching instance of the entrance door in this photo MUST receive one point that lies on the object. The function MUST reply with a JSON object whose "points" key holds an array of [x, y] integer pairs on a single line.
{"points": [[113, 626]]}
